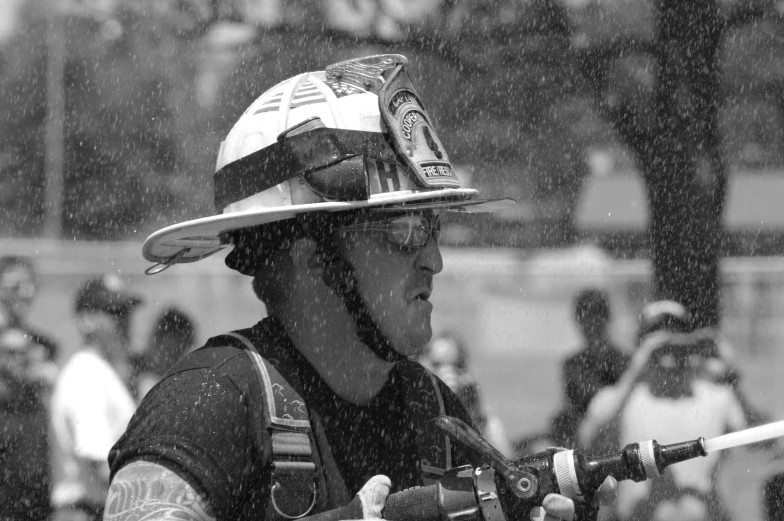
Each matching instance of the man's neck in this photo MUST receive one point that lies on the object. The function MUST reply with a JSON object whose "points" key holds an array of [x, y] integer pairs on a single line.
{"points": [[332, 347]]}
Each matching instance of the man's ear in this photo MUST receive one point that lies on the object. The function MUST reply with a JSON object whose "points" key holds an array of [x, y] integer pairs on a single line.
{"points": [[305, 255]]}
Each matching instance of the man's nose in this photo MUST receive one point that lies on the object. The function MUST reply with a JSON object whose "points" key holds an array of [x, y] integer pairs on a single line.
{"points": [[429, 257]]}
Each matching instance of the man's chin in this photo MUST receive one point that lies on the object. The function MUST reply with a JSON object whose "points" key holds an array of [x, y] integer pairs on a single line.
{"points": [[412, 343], [419, 341]]}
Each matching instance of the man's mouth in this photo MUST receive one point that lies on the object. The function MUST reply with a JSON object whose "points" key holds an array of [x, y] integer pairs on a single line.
{"points": [[421, 294]]}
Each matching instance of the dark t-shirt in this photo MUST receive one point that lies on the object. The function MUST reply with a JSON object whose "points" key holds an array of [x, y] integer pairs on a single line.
{"points": [[205, 420], [588, 371], [584, 374], [373, 431], [24, 427], [23, 351]]}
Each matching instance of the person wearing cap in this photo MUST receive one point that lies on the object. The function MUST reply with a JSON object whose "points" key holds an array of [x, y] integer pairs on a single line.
{"points": [[669, 393], [91, 403], [330, 190], [28, 368], [18, 290]]}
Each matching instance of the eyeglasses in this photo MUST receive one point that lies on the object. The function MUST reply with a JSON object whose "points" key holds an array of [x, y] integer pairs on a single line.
{"points": [[409, 231]]}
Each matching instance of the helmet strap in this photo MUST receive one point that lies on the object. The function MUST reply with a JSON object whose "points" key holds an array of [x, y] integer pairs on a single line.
{"points": [[339, 276]]}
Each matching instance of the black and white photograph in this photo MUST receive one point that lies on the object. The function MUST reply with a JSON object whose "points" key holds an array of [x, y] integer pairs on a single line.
{"points": [[401, 260]]}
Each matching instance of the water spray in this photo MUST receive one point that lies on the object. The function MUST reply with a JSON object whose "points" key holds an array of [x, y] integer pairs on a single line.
{"points": [[745, 437]]}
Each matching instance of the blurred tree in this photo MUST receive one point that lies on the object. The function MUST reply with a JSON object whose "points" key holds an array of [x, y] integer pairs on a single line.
{"points": [[659, 80], [22, 103], [129, 123]]}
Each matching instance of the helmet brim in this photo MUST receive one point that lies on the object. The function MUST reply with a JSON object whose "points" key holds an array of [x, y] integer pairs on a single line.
{"points": [[197, 239]]}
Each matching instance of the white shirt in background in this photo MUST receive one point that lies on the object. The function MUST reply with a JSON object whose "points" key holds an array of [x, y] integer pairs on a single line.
{"points": [[712, 410], [91, 407]]}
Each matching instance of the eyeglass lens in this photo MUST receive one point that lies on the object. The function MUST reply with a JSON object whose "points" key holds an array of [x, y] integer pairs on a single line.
{"points": [[408, 231]]}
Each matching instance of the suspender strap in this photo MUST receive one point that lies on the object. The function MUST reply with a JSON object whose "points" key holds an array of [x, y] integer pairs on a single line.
{"points": [[293, 491], [291, 443], [284, 406]]}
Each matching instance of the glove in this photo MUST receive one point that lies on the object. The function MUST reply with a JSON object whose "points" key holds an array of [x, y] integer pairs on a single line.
{"points": [[373, 496], [557, 507]]}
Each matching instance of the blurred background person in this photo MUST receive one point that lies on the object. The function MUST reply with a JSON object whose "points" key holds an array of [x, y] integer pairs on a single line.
{"points": [[721, 369], [91, 403], [173, 334], [669, 393], [27, 372], [18, 289], [24, 449], [597, 364], [446, 356], [773, 491]]}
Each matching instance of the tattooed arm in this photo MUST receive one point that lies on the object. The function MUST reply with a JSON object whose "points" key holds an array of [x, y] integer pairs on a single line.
{"points": [[148, 491]]}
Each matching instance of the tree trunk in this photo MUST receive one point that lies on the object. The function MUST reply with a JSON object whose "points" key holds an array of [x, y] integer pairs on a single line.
{"points": [[684, 167]]}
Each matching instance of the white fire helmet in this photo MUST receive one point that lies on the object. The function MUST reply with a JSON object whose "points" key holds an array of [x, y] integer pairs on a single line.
{"points": [[355, 136]]}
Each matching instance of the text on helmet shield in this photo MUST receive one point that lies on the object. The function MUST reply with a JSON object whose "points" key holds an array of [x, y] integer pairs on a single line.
{"points": [[400, 98], [437, 170], [411, 132], [408, 121]]}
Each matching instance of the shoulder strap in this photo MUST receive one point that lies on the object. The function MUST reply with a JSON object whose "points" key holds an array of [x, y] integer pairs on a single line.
{"points": [[293, 492], [285, 407]]}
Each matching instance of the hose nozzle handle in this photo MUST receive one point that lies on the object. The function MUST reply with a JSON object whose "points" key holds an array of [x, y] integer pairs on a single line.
{"points": [[463, 434]]}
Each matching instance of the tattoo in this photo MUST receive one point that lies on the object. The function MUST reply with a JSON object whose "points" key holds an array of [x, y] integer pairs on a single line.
{"points": [[145, 491]]}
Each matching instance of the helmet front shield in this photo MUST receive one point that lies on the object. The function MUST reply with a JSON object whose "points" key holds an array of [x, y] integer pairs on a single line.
{"points": [[413, 136]]}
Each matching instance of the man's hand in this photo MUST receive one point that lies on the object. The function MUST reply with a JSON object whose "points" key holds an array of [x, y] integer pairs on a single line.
{"points": [[373, 496], [556, 507]]}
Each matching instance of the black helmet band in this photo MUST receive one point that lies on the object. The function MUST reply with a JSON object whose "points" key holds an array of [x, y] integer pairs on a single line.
{"points": [[339, 165]]}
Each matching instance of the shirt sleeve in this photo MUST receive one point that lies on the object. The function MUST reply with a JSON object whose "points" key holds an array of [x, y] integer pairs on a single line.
{"points": [[197, 421]]}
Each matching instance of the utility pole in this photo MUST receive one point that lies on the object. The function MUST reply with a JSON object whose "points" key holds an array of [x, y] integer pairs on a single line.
{"points": [[54, 145]]}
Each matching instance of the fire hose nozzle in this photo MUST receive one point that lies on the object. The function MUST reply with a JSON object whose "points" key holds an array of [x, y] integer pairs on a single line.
{"points": [[569, 472]]}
